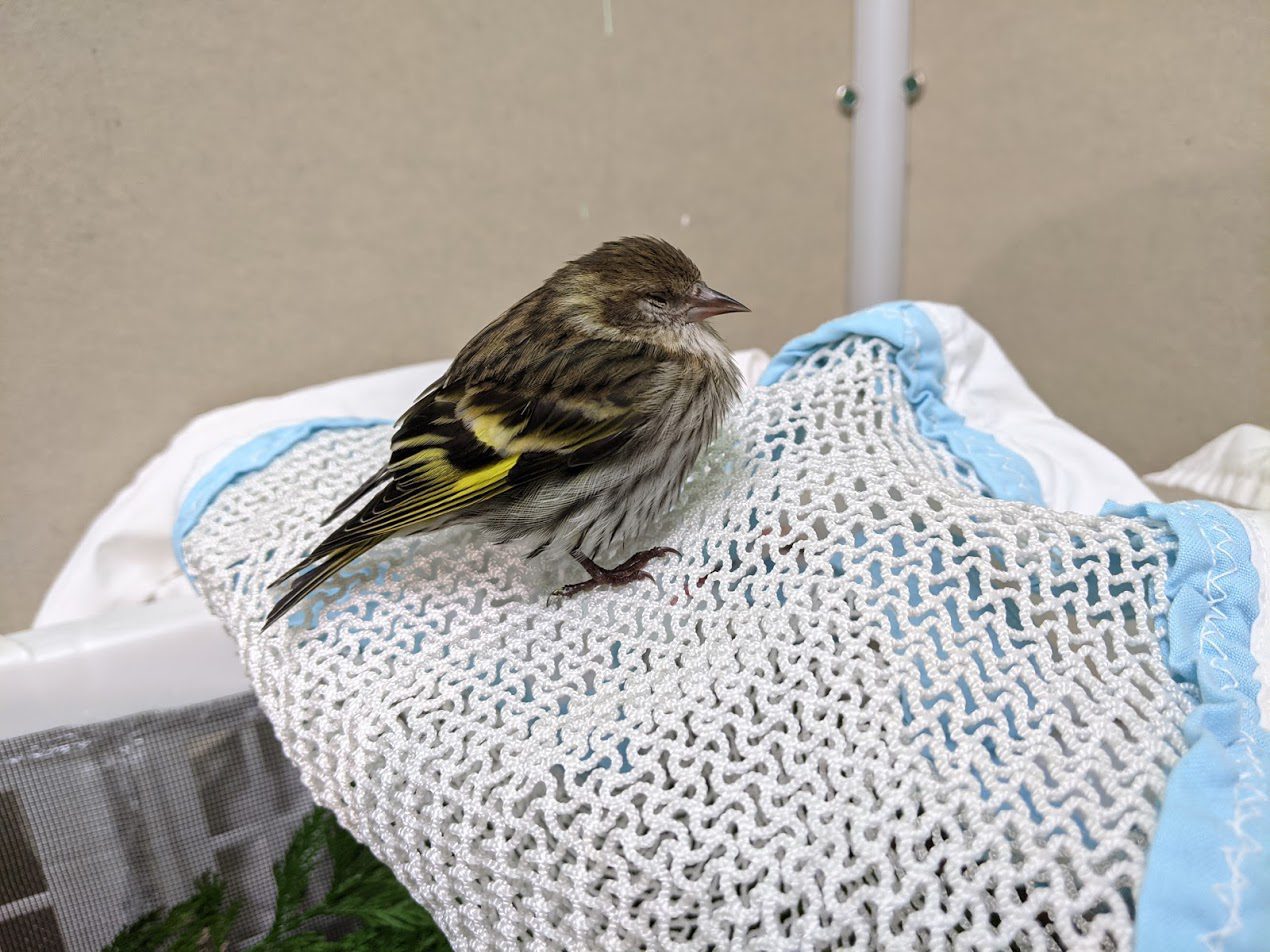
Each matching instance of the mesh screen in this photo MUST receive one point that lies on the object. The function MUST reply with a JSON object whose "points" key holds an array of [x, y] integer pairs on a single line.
{"points": [[102, 824], [867, 707]]}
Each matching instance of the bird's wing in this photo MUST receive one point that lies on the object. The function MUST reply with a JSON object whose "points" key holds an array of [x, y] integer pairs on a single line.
{"points": [[465, 444]]}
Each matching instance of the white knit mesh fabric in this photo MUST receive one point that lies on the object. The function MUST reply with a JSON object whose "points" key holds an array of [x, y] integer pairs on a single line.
{"points": [[867, 707]]}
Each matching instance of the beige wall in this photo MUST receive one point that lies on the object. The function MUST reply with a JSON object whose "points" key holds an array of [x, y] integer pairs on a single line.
{"points": [[202, 202], [1090, 180]]}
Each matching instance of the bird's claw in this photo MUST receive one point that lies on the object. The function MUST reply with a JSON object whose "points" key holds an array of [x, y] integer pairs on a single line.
{"points": [[632, 570]]}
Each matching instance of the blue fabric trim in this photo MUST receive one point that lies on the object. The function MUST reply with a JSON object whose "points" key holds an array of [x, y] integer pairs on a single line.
{"points": [[1207, 881], [248, 458], [920, 357]]}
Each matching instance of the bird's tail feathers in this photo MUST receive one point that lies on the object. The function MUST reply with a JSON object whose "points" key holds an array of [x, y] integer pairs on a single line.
{"points": [[315, 570], [356, 494]]}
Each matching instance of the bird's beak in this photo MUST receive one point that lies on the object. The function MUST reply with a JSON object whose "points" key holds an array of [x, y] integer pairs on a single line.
{"points": [[707, 302]]}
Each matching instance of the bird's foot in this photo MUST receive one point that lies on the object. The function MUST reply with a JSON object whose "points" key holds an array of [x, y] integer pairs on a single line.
{"points": [[637, 561], [632, 570]]}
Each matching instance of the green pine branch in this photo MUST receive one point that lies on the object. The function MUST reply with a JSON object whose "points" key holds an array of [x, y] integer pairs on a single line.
{"points": [[364, 894]]}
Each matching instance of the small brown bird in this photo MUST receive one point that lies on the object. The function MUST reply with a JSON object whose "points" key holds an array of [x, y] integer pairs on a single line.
{"points": [[570, 422]]}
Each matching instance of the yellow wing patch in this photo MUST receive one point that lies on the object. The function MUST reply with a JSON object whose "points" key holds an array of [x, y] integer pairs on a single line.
{"points": [[429, 465], [485, 477], [490, 426], [439, 499]]}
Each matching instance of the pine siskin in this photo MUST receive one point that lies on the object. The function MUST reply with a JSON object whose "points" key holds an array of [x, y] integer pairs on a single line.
{"points": [[570, 422]]}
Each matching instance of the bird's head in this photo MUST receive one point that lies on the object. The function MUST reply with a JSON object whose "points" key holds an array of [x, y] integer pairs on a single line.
{"points": [[640, 287]]}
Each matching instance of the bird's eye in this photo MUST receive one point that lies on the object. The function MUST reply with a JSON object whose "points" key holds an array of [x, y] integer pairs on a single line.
{"points": [[658, 300]]}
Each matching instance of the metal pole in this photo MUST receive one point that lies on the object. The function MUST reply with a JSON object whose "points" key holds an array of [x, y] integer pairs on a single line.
{"points": [[879, 151]]}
